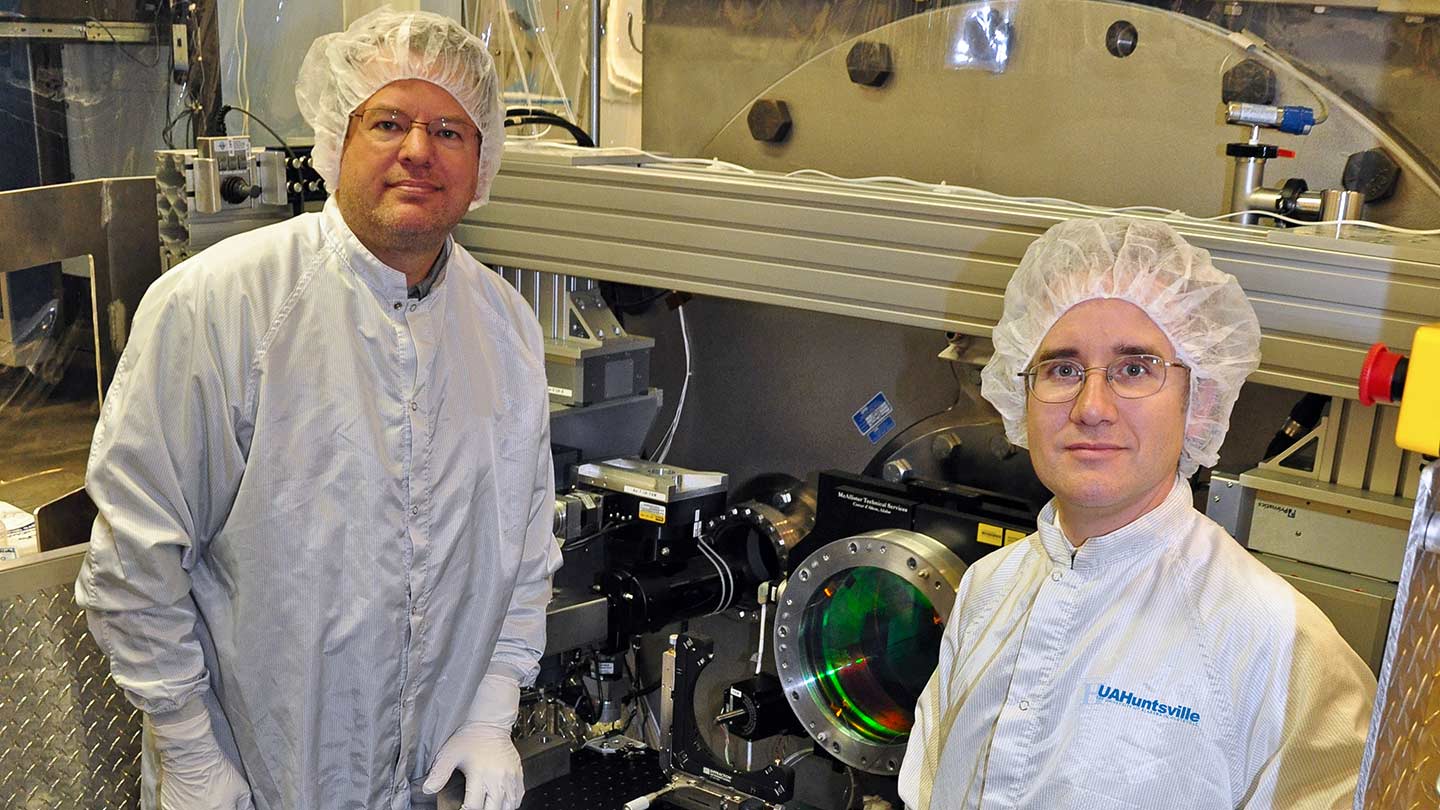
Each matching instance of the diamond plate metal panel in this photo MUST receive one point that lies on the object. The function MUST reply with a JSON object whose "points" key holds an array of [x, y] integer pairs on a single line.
{"points": [[1407, 752], [68, 737], [1402, 756]]}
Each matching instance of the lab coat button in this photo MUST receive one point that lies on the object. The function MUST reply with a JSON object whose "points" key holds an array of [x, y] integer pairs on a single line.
{"points": [[1056, 576], [1024, 705]]}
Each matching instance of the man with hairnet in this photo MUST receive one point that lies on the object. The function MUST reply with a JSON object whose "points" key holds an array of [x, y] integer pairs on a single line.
{"points": [[1130, 654], [322, 556]]}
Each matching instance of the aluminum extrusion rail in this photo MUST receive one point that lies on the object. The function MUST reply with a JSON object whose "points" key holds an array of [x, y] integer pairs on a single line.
{"points": [[912, 256]]}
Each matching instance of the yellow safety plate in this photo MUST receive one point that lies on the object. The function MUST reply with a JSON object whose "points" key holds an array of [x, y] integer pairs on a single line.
{"points": [[989, 535], [1418, 429]]}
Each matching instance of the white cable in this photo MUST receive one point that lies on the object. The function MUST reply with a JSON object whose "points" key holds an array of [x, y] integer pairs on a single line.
{"points": [[949, 190], [519, 62], [242, 38], [727, 594], [663, 448], [540, 33], [760, 651], [719, 571]]}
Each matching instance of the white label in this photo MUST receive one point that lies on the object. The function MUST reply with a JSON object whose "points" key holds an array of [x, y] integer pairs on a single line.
{"points": [[561, 392], [17, 532], [644, 493]]}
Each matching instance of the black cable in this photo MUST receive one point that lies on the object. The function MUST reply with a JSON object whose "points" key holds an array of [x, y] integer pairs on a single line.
{"points": [[124, 52], [225, 110], [638, 305], [535, 115], [582, 542]]}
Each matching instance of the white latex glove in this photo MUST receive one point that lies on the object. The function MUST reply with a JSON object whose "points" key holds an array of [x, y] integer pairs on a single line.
{"points": [[482, 750], [194, 773]]}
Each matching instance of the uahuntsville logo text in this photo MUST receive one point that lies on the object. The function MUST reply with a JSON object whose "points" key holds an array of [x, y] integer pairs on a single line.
{"points": [[1102, 693]]}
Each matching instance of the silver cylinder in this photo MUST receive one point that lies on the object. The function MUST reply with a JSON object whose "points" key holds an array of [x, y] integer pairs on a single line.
{"points": [[595, 60], [1249, 175], [1341, 204], [1262, 115], [1311, 202]]}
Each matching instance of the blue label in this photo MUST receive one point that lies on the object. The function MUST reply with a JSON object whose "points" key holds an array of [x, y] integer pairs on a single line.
{"points": [[873, 421]]}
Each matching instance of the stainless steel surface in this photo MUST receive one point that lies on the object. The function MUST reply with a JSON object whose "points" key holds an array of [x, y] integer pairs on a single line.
{"points": [[921, 561], [1402, 753], [1358, 606], [606, 429], [1230, 504], [543, 757], [68, 738], [667, 702], [592, 83], [112, 221], [1327, 524], [932, 259], [656, 482], [1022, 131], [574, 619], [1337, 204], [1248, 178]]}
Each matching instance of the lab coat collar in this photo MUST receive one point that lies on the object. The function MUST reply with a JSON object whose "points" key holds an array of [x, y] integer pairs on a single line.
{"points": [[386, 281], [1170, 522]]}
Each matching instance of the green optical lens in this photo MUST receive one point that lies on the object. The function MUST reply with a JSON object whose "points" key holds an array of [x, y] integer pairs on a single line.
{"points": [[873, 639]]}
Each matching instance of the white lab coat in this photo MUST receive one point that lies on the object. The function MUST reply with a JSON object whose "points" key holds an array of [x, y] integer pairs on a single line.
{"points": [[325, 509], [1159, 666]]}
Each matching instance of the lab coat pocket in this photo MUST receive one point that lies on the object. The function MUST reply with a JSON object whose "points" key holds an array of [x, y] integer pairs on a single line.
{"points": [[1138, 750]]}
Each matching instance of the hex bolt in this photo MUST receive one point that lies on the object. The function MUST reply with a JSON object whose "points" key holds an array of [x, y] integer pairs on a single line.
{"points": [[869, 63], [944, 445], [1373, 173], [897, 470], [1250, 82], [769, 120]]}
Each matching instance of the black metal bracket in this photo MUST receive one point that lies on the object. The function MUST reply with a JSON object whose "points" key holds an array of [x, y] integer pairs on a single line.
{"points": [[775, 783]]}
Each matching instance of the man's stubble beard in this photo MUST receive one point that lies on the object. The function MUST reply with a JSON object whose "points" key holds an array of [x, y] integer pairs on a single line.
{"points": [[392, 232]]}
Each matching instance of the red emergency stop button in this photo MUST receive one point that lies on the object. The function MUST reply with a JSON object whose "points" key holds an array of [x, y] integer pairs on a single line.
{"points": [[1382, 377]]}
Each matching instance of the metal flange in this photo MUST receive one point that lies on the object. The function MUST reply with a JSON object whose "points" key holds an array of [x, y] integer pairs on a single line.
{"points": [[857, 633]]}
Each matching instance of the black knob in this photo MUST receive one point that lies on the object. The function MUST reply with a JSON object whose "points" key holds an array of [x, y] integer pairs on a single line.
{"points": [[236, 190], [1290, 195]]}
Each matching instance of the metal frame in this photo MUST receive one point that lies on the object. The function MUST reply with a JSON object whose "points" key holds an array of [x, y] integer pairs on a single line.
{"points": [[111, 31], [111, 220], [924, 258], [918, 559]]}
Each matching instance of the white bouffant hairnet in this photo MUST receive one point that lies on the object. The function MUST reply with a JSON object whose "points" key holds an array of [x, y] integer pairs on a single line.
{"points": [[1201, 310], [342, 70]]}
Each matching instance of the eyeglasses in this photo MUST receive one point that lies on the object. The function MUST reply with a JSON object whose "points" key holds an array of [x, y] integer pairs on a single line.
{"points": [[1133, 376], [389, 127]]}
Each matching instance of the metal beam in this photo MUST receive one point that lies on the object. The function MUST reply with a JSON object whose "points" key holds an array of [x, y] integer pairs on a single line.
{"points": [[917, 257], [91, 31]]}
